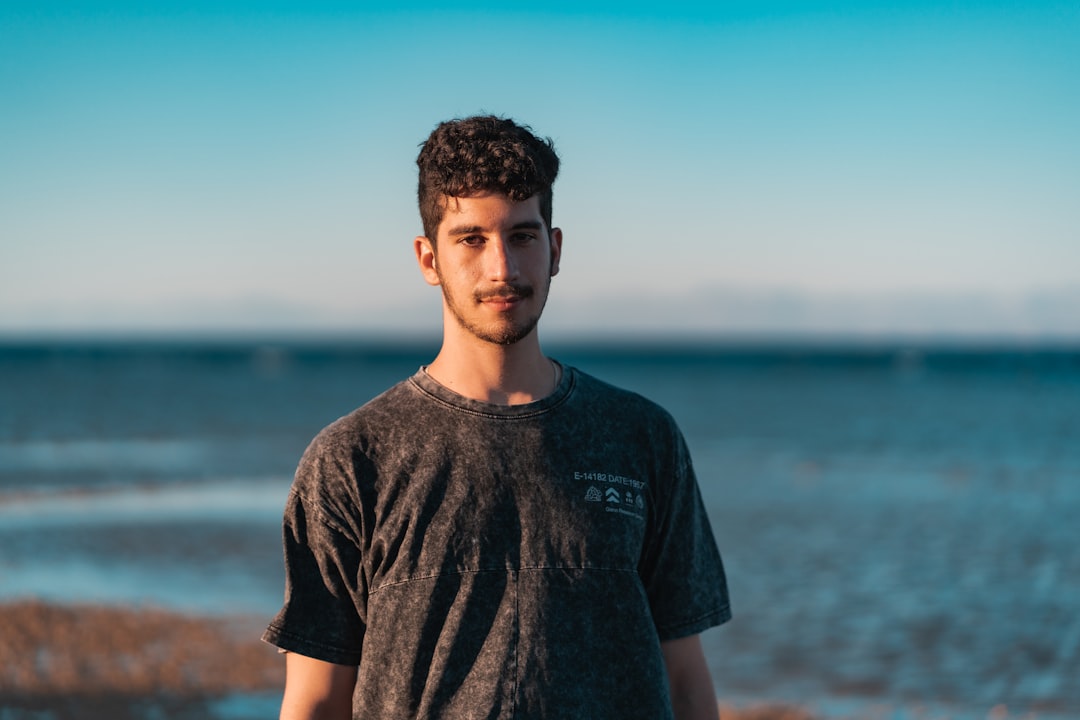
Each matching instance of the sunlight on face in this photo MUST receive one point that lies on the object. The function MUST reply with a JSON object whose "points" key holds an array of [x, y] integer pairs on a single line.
{"points": [[494, 259]]}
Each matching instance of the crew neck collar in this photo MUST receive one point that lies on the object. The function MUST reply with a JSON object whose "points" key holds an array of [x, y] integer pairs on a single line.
{"points": [[444, 395]]}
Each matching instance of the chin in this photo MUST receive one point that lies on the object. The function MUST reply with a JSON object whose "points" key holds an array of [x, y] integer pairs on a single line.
{"points": [[506, 335]]}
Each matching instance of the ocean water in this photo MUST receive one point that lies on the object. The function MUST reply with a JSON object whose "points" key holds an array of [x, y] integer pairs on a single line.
{"points": [[899, 523]]}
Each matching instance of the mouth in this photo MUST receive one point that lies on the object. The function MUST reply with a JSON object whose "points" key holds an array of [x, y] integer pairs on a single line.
{"points": [[504, 298], [502, 302]]}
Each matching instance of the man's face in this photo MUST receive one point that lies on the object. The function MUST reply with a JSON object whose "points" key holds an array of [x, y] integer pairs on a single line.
{"points": [[494, 259]]}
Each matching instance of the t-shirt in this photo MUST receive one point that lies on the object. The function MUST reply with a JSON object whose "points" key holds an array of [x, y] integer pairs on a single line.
{"points": [[488, 561]]}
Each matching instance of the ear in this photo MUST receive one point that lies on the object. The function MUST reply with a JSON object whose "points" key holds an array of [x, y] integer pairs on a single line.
{"points": [[556, 250], [425, 258]]}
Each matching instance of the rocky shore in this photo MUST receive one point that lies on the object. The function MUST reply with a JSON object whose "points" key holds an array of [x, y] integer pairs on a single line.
{"points": [[82, 662], [75, 661]]}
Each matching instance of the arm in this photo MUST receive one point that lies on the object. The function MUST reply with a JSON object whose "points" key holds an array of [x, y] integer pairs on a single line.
{"points": [[317, 690], [692, 694]]}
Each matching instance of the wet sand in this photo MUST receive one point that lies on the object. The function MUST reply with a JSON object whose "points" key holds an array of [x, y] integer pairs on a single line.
{"points": [[76, 662]]}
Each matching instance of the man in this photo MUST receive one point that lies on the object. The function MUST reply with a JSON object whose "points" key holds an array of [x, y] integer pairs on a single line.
{"points": [[499, 536]]}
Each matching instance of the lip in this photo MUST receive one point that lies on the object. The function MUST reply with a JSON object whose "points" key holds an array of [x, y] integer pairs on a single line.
{"points": [[503, 302]]}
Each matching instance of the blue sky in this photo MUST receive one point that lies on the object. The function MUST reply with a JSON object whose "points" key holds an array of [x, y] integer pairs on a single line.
{"points": [[863, 169]]}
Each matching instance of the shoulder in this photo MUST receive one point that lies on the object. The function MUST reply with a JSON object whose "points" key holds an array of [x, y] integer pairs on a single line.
{"points": [[603, 396], [388, 410], [624, 418], [344, 451]]}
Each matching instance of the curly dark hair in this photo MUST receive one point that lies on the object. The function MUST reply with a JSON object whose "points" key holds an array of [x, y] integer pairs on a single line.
{"points": [[475, 155]]}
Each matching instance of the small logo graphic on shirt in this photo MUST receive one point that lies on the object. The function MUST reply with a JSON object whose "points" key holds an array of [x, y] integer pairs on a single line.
{"points": [[615, 493]]}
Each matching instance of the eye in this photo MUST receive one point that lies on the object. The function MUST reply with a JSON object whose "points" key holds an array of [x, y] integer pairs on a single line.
{"points": [[522, 238], [472, 240]]}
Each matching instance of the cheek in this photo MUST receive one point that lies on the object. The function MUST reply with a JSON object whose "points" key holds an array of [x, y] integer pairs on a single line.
{"points": [[460, 278]]}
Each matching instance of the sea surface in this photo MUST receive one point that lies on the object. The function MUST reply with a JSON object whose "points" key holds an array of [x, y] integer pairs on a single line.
{"points": [[900, 523]]}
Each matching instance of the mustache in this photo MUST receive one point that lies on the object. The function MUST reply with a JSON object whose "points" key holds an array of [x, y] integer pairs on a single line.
{"points": [[507, 291]]}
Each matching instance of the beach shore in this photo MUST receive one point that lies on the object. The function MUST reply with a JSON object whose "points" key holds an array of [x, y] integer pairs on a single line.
{"points": [[81, 661], [76, 662]]}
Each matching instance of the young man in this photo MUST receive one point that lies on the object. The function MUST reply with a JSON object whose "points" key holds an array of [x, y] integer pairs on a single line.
{"points": [[499, 536]]}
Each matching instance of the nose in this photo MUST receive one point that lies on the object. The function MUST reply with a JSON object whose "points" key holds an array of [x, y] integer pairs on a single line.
{"points": [[501, 263]]}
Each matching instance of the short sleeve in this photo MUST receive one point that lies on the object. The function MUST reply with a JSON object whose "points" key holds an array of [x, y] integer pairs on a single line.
{"points": [[322, 616], [681, 567]]}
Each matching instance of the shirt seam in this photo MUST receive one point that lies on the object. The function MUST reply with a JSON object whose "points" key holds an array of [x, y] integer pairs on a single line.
{"points": [[316, 511], [505, 570]]}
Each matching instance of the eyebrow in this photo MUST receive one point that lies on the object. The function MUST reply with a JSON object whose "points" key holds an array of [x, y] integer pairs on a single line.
{"points": [[475, 229]]}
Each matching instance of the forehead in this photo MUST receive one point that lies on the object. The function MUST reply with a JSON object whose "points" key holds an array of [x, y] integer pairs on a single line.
{"points": [[490, 211]]}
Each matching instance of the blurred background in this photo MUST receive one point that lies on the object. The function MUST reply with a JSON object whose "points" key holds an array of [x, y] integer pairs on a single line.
{"points": [[751, 167], [837, 241]]}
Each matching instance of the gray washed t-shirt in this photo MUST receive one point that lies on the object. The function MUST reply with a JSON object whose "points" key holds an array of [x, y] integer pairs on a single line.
{"points": [[485, 561]]}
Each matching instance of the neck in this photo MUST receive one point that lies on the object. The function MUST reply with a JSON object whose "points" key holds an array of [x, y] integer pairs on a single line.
{"points": [[498, 374]]}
